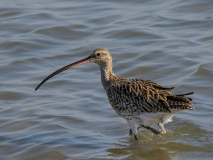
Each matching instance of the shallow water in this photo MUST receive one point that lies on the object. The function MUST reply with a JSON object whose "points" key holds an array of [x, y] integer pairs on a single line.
{"points": [[69, 117]]}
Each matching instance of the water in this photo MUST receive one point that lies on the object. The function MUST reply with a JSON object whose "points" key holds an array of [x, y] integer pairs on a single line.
{"points": [[69, 117]]}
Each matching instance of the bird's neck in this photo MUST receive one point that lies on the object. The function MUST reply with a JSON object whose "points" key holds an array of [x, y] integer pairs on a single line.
{"points": [[107, 75], [106, 71]]}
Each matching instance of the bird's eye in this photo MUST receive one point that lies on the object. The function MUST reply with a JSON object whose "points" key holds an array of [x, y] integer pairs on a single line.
{"points": [[98, 54]]}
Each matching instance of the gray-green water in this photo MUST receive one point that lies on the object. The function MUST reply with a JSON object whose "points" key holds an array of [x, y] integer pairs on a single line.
{"points": [[69, 117]]}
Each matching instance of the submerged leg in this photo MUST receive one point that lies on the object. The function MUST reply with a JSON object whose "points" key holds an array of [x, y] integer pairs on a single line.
{"points": [[133, 129], [136, 138], [163, 131]]}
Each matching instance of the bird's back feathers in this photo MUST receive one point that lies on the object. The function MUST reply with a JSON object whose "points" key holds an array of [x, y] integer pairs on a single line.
{"points": [[145, 95]]}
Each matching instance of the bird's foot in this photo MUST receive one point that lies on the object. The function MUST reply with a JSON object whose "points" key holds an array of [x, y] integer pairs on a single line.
{"points": [[163, 132]]}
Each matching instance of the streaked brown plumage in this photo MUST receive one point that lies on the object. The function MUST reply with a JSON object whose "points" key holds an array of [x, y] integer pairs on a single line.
{"points": [[141, 102]]}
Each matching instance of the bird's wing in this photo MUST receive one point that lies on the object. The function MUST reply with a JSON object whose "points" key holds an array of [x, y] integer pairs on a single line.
{"points": [[148, 95]]}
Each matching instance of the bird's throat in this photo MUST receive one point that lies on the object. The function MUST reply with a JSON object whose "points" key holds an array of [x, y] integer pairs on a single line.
{"points": [[106, 73]]}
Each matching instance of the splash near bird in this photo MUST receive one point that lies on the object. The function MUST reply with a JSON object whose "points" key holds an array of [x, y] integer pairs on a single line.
{"points": [[141, 102]]}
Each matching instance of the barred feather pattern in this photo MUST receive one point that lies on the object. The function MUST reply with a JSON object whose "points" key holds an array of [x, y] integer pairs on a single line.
{"points": [[131, 97]]}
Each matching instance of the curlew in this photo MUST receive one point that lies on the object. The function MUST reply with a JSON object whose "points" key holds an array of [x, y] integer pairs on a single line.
{"points": [[141, 102]]}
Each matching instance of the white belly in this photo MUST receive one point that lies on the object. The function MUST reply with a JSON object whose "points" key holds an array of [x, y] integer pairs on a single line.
{"points": [[155, 118]]}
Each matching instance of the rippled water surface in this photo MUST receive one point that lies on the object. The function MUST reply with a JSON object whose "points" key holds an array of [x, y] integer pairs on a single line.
{"points": [[69, 117]]}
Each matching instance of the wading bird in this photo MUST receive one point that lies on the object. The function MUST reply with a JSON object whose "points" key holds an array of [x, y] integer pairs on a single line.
{"points": [[141, 102]]}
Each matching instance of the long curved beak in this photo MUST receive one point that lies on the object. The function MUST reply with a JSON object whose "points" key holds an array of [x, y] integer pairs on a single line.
{"points": [[83, 61]]}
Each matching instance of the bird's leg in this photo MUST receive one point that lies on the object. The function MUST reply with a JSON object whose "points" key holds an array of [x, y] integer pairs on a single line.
{"points": [[163, 131], [136, 138], [151, 129], [130, 132], [133, 129]]}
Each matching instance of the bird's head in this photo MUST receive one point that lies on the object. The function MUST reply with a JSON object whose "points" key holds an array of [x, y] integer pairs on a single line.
{"points": [[99, 56]]}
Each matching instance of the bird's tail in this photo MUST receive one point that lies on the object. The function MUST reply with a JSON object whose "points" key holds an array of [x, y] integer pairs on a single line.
{"points": [[180, 101], [190, 93]]}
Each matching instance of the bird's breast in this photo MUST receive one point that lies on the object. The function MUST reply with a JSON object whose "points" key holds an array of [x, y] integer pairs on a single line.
{"points": [[122, 104]]}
